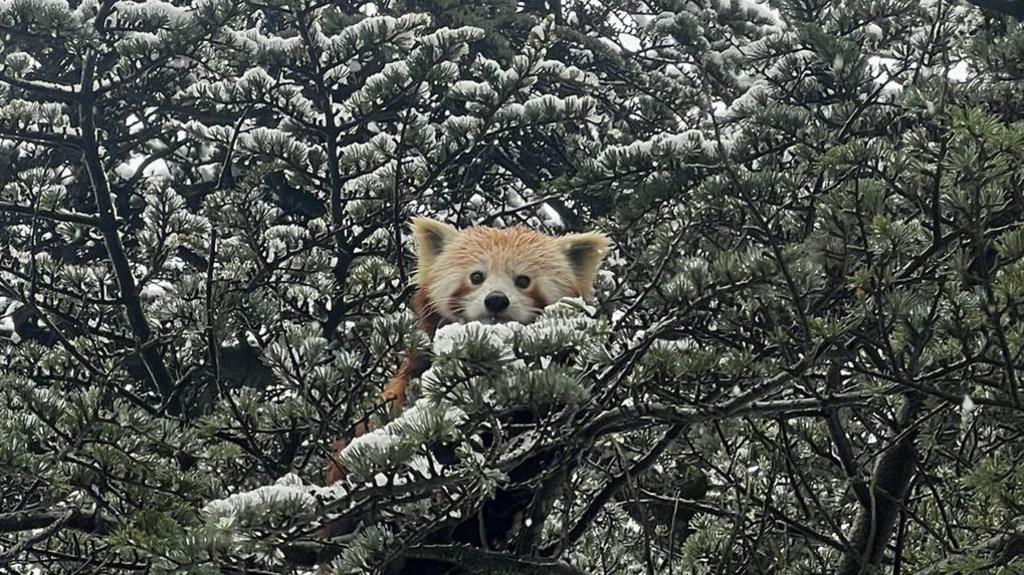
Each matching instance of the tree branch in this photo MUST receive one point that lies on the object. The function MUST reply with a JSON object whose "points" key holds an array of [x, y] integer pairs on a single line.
{"points": [[89, 521], [48, 91], [53, 215], [129, 292], [889, 481], [36, 137], [622, 418], [844, 451], [7, 556], [478, 561]]}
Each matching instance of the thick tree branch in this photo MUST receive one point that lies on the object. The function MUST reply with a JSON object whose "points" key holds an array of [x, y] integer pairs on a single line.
{"points": [[876, 521], [53, 215], [481, 562], [42, 535], [18, 134], [126, 284], [841, 442], [52, 92], [89, 521]]}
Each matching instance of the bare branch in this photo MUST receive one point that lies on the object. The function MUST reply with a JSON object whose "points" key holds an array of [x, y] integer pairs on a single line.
{"points": [[54, 215], [876, 521], [108, 226], [42, 535], [630, 417], [53, 92], [90, 521], [479, 561]]}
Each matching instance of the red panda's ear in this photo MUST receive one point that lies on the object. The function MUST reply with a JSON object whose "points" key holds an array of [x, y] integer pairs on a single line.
{"points": [[432, 237], [585, 252]]}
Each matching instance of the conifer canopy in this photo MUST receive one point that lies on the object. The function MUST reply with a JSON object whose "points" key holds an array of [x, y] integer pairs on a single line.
{"points": [[804, 353]]}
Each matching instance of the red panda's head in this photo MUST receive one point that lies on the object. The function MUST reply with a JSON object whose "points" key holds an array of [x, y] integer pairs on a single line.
{"points": [[499, 275]]}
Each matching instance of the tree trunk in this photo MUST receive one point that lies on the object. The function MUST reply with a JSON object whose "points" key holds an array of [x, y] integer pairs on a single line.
{"points": [[876, 519]]}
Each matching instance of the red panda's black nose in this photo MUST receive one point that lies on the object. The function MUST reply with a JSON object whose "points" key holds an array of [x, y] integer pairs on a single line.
{"points": [[496, 302]]}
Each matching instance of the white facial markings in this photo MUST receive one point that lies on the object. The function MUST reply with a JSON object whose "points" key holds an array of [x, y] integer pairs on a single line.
{"points": [[458, 297], [519, 305], [499, 258]]}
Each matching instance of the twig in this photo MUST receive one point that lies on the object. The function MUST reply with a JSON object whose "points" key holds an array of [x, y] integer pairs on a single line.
{"points": [[46, 533], [598, 501]]}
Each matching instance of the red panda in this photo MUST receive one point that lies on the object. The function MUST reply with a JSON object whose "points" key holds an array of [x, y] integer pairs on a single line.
{"points": [[488, 275]]}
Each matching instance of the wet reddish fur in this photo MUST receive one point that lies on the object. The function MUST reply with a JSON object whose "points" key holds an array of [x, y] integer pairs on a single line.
{"points": [[394, 392], [538, 300]]}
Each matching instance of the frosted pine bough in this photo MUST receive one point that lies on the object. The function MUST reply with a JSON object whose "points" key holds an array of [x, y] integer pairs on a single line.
{"points": [[479, 373], [462, 374], [811, 139]]}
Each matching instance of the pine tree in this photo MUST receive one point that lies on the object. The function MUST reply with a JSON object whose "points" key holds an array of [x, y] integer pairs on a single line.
{"points": [[804, 355]]}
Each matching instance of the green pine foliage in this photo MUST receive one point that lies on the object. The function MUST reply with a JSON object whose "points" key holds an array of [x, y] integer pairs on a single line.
{"points": [[804, 355]]}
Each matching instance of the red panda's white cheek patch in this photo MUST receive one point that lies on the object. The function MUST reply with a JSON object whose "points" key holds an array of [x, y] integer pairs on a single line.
{"points": [[457, 301], [450, 305], [447, 293]]}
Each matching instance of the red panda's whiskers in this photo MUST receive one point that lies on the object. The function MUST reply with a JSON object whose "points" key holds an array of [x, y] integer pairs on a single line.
{"points": [[458, 307]]}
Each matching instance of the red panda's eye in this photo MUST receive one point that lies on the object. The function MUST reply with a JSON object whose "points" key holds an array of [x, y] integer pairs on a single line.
{"points": [[476, 277], [522, 282]]}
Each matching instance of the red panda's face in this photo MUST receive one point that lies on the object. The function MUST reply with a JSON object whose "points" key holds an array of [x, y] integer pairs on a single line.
{"points": [[494, 276]]}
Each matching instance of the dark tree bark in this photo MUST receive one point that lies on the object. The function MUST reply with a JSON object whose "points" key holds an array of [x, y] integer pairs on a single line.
{"points": [[876, 520]]}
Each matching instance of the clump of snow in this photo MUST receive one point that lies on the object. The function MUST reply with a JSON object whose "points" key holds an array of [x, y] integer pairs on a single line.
{"points": [[289, 491], [881, 68], [155, 288], [630, 42], [288, 488], [482, 367], [13, 315], [7, 326], [448, 336], [749, 100], [394, 445], [558, 319], [760, 9], [21, 63], [968, 406], [959, 72], [169, 13]]}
